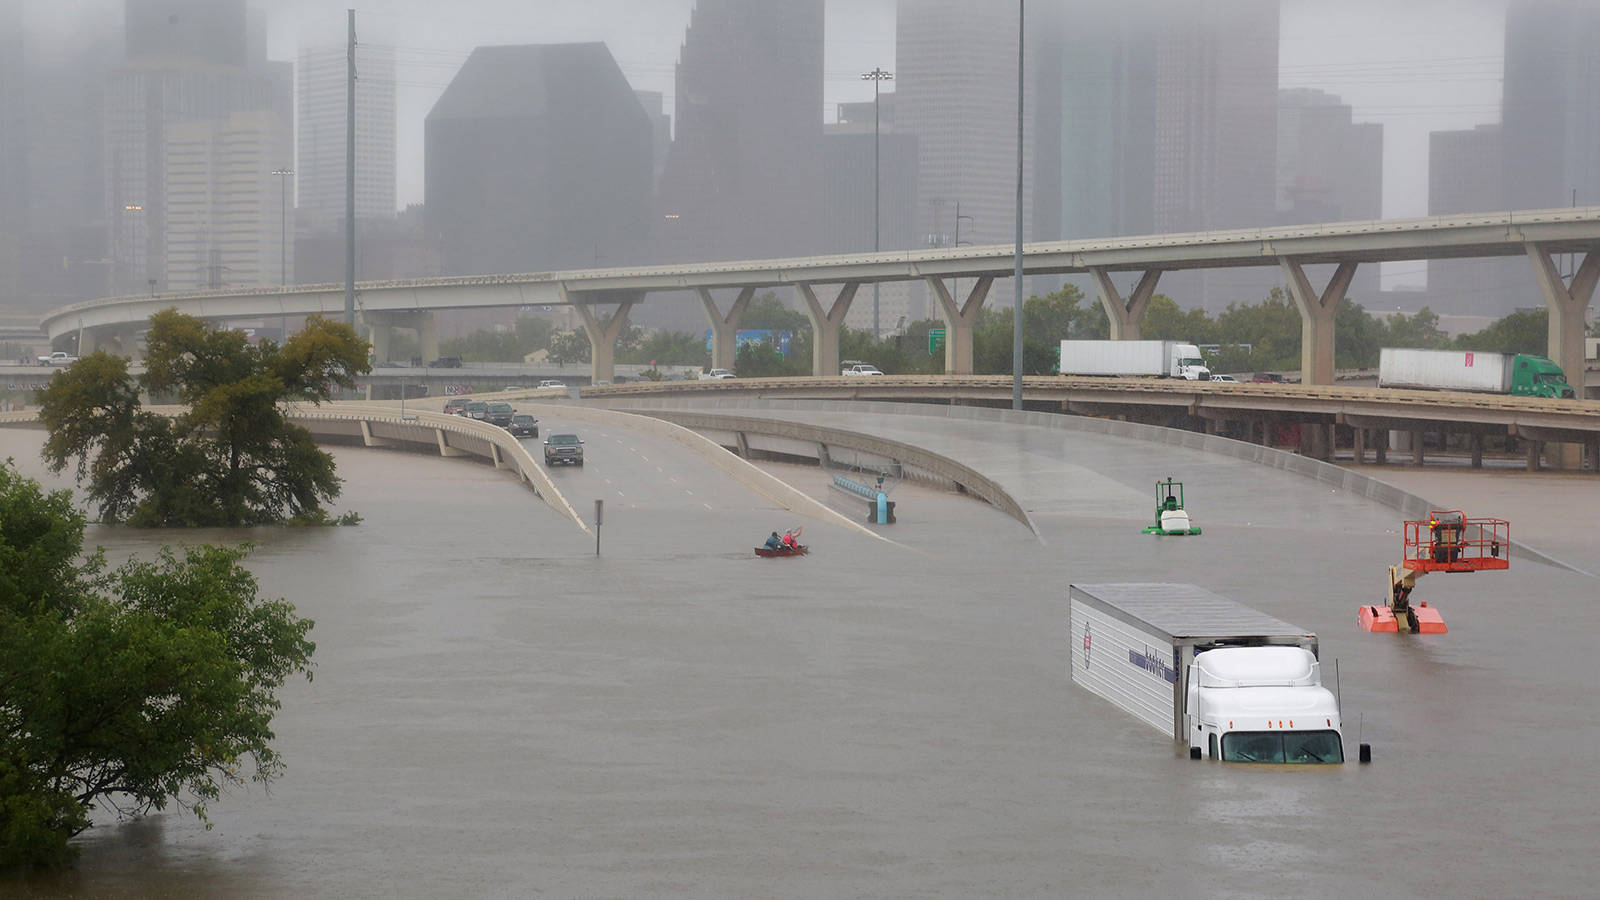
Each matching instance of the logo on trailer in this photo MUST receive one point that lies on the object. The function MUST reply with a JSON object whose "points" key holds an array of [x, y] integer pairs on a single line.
{"points": [[1153, 664], [1086, 642]]}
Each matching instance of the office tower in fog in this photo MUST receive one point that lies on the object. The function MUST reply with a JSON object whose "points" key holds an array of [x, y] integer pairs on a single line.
{"points": [[537, 158], [1551, 104], [744, 176], [320, 130]]}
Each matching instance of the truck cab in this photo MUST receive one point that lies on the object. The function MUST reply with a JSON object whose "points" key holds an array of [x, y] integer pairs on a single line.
{"points": [[1187, 363], [1536, 376], [1262, 704]]}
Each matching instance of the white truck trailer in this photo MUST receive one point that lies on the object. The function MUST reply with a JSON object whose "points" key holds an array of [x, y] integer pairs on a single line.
{"points": [[1151, 359], [1227, 681], [1521, 374]]}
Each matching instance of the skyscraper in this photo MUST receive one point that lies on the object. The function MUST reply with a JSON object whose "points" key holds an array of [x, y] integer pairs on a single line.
{"points": [[956, 91], [1095, 137], [220, 194], [320, 100], [13, 155], [537, 158], [744, 176], [1551, 104], [1330, 169], [186, 63], [1465, 176], [1216, 100]]}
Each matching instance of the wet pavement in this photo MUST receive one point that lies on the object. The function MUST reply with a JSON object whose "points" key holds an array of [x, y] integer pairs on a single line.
{"points": [[498, 712]]}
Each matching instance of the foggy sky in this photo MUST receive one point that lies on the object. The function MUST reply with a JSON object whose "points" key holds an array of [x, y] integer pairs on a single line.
{"points": [[1413, 65]]}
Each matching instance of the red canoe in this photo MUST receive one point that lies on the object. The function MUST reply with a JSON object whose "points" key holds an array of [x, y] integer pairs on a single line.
{"points": [[798, 551]]}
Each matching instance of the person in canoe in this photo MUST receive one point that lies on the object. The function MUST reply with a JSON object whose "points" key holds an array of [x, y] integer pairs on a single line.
{"points": [[774, 542]]}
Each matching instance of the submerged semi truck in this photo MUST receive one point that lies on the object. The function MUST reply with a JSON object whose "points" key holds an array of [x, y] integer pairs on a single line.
{"points": [[1231, 683], [1521, 374], [1152, 359]]}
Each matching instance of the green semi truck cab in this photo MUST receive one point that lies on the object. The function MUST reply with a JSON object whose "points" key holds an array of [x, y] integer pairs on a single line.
{"points": [[1536, 376]]}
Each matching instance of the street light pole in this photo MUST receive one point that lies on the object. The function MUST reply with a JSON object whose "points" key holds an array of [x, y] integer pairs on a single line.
{"points": [[283, 223], [877, 76], [1016, 309]]}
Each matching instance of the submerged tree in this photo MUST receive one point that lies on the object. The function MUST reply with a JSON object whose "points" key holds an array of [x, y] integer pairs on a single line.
{"points": [[231, 457], [150, 684]]}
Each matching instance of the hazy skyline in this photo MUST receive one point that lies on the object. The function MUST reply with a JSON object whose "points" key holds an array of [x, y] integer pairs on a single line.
{"points": [[1422, 66]]}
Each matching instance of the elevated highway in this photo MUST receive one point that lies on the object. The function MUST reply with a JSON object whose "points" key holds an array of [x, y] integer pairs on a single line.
{"points": [[1245, 410], [827, 285]]}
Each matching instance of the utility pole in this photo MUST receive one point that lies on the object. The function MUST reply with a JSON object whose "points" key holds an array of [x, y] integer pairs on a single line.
{"points": [[350, 178], [877, 76], [283, 223], [1016, 310]]}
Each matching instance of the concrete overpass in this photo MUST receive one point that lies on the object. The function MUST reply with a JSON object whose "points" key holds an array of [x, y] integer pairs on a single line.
{"points": [[828, 285]]}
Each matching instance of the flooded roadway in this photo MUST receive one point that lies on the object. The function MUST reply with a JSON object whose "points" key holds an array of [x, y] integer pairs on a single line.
{"points": [[497, 712]]}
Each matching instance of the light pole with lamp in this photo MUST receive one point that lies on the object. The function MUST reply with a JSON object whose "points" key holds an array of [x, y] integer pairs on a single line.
{"points": [[1016, 310], [284, 174], [877, 76]]}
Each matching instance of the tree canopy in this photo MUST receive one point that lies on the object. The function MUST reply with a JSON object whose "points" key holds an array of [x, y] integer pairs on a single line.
{"points": [[150, 684], [231, 457]]}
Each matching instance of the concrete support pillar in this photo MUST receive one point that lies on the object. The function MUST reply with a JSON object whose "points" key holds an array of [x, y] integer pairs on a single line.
{"points": [[1266, 434], [379, 333], [1360, 446], [428, 336], [1416, 447], [959, 321], [1566, 303], [1477, 450], [89, 341], [825, 324], [1316, 317], [725, 328], [603, 338], [1535, 450], [1125, 314], [1381, 450]]}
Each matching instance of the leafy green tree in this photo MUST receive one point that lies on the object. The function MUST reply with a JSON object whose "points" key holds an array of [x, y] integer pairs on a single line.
{"points": [[150, 684], [762, 360], [231, 457], [668, 348], [1524, 331], [1164, 321], [569, 347], [1419, 331]]}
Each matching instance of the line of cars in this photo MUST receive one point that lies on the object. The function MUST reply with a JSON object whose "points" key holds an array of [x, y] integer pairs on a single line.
{"points": [[565, 449]]}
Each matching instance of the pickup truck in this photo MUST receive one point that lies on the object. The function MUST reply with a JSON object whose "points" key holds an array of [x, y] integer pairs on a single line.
{"points": [[58, 358], [716, 374]]}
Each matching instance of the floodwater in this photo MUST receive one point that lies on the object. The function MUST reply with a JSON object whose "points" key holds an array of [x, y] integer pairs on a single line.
{"points": [[499, 712]]}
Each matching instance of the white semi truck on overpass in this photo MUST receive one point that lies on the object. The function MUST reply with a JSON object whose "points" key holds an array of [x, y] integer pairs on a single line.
{"points": [[1152, 359]]}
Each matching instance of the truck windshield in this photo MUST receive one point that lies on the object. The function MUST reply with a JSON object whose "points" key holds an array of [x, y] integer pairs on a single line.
{"points": [[1282, 747], [1550, 378], [1191, 361]]}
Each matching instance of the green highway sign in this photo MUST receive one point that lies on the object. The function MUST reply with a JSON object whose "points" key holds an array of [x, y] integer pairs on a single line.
{"points": [[935, 340]]}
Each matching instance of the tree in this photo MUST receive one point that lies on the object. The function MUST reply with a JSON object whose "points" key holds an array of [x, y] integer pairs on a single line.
{"points": [[1525, 331], [231, 457], [134, 688], [569, 346]]}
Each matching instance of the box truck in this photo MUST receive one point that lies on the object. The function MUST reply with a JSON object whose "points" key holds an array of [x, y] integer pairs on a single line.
{"points": [[1228, 682], [1521, 374], [1156, 359]]}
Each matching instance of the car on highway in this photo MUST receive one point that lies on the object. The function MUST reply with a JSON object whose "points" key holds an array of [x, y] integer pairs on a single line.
{"points": [[452, 407], [714, 374], [499, 414], [58, 358], [1225, 378], [446, 362], [563, 448], [856, 367], [523, 425], [1266, 378], [475, 409], [552, 383]]}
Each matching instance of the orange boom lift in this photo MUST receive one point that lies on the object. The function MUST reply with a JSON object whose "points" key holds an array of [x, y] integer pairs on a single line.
{"points": [[1447, 541]]}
